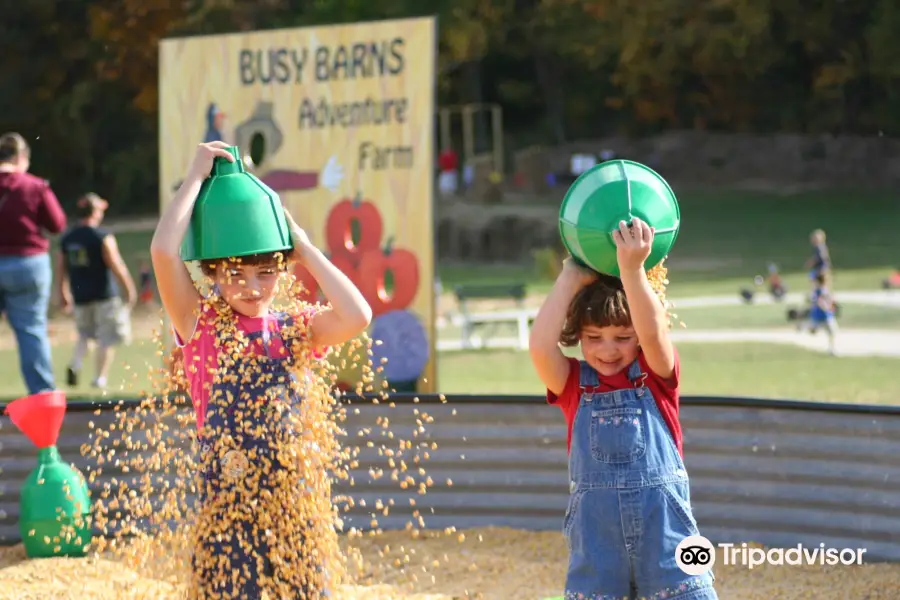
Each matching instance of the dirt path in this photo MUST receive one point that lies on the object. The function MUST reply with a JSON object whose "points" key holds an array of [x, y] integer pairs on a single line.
{"points": [[447, 306], [848, 342], [871, 297]]}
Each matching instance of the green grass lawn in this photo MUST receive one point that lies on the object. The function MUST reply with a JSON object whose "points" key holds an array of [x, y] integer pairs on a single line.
{"points": [[133, 368], [743, 316], [728, 237], [767, 316], [743, 231], [752, 370]]}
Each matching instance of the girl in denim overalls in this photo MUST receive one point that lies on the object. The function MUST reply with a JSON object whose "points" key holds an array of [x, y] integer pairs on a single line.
{"points": [[629, 504], [241, 370]]}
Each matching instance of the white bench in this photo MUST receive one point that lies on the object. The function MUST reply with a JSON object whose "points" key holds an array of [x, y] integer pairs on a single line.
{"points": [[469, 322], [470, 339]]}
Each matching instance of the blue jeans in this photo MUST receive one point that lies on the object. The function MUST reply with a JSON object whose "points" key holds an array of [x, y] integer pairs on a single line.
{"points": [[25, 283]]}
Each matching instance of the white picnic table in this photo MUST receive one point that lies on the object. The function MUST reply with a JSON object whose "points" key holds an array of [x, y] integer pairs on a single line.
{"points": [[469, 322]]}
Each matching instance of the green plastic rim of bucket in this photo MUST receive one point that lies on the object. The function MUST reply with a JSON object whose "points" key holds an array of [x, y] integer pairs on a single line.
{"points": [[235, 215], [604, 195]]}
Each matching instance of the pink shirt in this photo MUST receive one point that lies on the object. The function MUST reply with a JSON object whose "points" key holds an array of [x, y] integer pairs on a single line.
{"points": [[201, 352]]}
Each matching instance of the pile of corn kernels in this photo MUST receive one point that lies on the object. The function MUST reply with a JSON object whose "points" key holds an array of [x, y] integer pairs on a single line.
{"points": [[490, 564]]}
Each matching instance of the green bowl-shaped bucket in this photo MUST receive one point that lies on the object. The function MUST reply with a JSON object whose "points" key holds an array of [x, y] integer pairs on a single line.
{"points": [[235, 214], [610, 192]]}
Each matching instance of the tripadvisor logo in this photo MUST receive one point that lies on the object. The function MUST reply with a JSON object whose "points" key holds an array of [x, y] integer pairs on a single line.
{"points": [[696, 555]]}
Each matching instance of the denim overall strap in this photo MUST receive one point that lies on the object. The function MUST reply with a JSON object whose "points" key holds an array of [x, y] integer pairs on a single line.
{"points": [[589, 379], [636, 375], [282, 320], [588, 376]]}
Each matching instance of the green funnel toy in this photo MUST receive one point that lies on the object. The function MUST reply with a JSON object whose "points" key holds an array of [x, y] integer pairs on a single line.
{"points": [[54, 503], [235, 215], [614, 191]]}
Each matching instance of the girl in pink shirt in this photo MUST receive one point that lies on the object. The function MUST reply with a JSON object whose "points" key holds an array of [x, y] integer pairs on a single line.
{"points": [[242, 361]]}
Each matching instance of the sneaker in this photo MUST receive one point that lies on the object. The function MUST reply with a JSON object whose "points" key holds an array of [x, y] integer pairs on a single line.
{"points": [[71, 377], [99, 382]]}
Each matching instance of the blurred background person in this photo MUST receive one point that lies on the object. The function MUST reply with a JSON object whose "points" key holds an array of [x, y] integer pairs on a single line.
{"points": [[28, 207], [91, 273], [820, 261]]}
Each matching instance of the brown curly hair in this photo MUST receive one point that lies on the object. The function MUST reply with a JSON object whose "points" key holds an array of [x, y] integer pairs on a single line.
{"points": [[601, 304]]}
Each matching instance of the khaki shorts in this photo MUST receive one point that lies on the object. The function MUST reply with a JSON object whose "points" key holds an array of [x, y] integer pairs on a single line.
{"points": [[107, 321]]}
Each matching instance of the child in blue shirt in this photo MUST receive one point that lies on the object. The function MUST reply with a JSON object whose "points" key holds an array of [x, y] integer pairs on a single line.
{"points": [[821, 313]]}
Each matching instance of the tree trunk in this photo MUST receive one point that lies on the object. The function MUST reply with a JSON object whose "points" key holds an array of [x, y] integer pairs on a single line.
{"points": [[548, 78], [475, 95]]}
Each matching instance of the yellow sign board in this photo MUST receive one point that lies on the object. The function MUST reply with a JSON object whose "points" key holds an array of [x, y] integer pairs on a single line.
{"points": [[339, 120]]}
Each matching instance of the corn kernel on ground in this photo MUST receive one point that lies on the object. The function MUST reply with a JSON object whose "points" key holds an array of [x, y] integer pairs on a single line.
{"points": [[490, 563]]}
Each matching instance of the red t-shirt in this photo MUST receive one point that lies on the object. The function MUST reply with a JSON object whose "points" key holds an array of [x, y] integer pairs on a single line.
{"points": [[448, 161], [27, 206], [665, 392]]}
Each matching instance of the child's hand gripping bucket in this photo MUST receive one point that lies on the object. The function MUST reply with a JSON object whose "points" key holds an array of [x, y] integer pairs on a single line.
{"points": [[610, 192], [235, 215]]}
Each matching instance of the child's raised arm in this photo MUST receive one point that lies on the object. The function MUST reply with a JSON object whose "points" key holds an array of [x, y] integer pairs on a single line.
{"points": [[543, 344], [349, 314], [648, 315], [176, 288]]}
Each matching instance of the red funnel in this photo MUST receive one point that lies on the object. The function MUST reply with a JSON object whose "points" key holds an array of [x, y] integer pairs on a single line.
{"points": [[39, 416]]}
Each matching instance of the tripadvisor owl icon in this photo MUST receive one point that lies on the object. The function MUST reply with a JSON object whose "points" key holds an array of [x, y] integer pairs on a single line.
{"points": [[695, 555]]}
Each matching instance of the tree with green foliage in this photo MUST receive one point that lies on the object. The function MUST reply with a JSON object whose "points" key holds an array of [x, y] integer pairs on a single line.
{"points": [[80, 79]]}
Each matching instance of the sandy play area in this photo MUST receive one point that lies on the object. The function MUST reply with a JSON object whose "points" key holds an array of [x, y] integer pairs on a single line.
{"points": [[491, 564]]}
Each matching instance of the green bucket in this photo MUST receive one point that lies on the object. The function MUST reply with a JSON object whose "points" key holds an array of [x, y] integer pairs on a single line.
{"points": [[54, 505], [614, 191], [54, 501], [235, 215]]}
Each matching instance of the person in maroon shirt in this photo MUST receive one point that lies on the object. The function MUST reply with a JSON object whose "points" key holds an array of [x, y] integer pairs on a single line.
{"points": [[28, 207]]}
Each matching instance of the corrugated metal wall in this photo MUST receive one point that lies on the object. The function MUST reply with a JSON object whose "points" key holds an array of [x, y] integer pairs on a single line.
{"points": [[770, 472]]}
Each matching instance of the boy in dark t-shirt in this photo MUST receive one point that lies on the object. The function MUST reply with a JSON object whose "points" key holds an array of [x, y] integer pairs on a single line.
{"points": [[91, 274]]}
